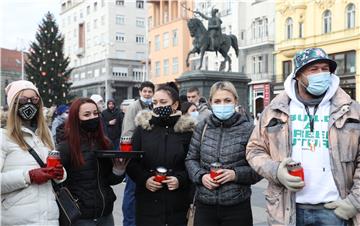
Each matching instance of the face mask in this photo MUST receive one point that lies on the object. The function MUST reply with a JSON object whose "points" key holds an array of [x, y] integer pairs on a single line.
{"points": [[163, 111], [90, 125], [318, 83], [194, 114], [27, 111], [147, 102], [223, 111]]}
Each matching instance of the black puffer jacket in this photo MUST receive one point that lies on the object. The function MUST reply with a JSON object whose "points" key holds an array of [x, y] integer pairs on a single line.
{"points": [[223, 142], [90, 183], [165, 144], [112, 131]]}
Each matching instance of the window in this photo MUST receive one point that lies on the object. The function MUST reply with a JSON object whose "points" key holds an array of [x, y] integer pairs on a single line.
{"points": [[88, 26], [157, 68], [175, 37], [75, 17], [350, 16], [287, 68], [139, 4], [150, 22], [95, 6], [81, 14], [289, 28], [102, 3], [259, 63], [95, 23], [175, 65], [88, 10], [327, 21], [254, 64], [301, 29], [166, 66], [120, 37], [253, 30], [266, 27], [157, 42], [140, 22], [120, 71], [119, 2], [345, 62], [166, 39], [120, 19], [140, 39]]}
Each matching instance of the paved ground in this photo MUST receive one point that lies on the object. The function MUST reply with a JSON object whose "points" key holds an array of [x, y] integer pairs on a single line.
{"points": [[257, 203]]}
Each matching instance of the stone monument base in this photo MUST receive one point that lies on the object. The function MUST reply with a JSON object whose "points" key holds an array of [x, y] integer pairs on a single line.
{"points": [[203, 80]]}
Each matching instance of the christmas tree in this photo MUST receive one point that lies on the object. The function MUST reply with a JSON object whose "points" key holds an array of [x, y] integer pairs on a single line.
{"points": [[46, 66]]}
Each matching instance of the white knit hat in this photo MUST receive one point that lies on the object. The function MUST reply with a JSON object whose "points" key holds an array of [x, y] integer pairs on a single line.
{"points": [[96, 98], [13, 88]]}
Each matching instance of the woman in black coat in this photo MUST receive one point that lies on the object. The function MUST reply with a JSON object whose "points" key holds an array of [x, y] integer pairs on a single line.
{"points": [[164, 135], [89, 178]]}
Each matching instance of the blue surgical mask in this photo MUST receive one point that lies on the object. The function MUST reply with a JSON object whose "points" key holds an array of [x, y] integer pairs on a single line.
{"points": [[194, 114], [146, 101], [318, 83], [223, 111]]}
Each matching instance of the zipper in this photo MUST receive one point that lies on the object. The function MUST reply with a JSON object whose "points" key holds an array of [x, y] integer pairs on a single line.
{"points": [[218, 158], [102, 195]]}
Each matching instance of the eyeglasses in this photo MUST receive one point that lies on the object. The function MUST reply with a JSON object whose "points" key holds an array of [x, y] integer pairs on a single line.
{"points": [[24, 100]]}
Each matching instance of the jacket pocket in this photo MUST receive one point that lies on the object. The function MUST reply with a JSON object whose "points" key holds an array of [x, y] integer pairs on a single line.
{"points": [[274, 196], [14, 197]]}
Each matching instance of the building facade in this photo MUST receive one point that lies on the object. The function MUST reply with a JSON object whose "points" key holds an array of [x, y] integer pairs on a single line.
{"points": [[328, 24], [106, 43], [256, 44], [229, 12], [169, 39], [12, 62]]}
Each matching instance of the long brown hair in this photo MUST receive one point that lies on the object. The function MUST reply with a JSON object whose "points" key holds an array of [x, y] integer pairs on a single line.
{"points": [[14, 123], [74, 135]]}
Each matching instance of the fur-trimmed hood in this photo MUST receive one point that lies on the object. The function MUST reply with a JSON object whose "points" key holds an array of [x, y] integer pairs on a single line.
{"points": [[185, 123]]}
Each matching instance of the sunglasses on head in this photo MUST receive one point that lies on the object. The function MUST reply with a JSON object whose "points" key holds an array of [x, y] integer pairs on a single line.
{"points": [[24, 100]]}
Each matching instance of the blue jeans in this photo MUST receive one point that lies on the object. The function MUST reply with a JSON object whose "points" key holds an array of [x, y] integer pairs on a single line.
{"points": [[101, 221], [128, 206], [317, 217]]}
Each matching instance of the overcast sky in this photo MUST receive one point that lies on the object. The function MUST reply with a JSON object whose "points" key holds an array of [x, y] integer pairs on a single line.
{"points": [[19, 20]]}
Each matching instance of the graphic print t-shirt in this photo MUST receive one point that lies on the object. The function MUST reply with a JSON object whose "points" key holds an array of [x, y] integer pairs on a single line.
{"points": [[312, 150]]}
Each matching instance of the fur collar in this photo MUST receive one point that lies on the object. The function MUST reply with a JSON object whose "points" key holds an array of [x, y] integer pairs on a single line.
{"points": [[184, 124]]}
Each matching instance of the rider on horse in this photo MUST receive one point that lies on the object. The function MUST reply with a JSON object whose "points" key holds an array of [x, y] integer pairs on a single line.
{"points": [[214, 28]]}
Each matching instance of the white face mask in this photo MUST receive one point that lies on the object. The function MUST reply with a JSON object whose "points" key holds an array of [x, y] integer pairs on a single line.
{"points": [[194, 114], [146, 101]]}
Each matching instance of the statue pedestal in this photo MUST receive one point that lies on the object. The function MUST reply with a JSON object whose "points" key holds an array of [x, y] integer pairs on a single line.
{"points": [[203, 80]]}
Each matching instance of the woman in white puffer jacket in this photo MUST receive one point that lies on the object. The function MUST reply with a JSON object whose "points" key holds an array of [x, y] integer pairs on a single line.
{"points": [[27, 196]]}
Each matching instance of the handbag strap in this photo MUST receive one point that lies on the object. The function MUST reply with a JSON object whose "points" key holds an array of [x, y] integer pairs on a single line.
{"points": [[36, 157]]}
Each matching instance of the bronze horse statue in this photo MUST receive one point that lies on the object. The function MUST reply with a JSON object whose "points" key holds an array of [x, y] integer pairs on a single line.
{"points": [[201, 43]]}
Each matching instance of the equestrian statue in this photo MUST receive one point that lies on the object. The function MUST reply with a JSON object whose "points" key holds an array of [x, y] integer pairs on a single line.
{"points": [[210, 40]]}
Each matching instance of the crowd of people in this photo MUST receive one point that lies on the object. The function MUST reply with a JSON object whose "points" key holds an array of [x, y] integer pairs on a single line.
{"points": [[209, 153]]}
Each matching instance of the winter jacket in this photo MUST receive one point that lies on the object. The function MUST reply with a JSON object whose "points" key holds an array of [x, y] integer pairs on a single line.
{"points": [[224, 142], [270, 143], [204, 111], [23, 203], [90, 183], [113, 131], [165, 144], [128, 126], [55, 124]]}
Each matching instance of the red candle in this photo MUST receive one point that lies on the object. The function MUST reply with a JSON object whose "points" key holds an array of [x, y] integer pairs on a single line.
{"points": [[296, 170], [160, 174], [53, 159], [214, 168], [125, 144]]}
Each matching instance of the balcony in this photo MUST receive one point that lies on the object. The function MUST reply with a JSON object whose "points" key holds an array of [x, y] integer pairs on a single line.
{"points": [[253, 43]]}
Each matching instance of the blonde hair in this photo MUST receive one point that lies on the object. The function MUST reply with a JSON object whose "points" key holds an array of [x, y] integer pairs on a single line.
{"points": [[13, 125], [223, 85]]}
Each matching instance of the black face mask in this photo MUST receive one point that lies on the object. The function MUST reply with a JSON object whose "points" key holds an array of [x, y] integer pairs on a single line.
{"points": [[163, 111], [90, 125], [27, 111]]}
